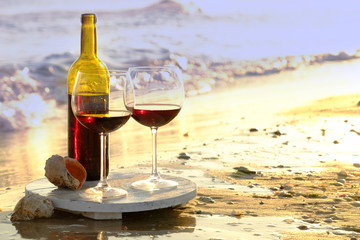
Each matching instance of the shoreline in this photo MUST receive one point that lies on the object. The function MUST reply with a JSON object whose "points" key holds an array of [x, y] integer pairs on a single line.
{"points": [[293, 168]]}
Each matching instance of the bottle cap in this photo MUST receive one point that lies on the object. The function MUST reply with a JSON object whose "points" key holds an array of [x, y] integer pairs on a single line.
{"points": [[88, 18]]}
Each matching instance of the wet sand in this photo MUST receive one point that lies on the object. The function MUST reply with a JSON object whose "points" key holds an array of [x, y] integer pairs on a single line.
{"points": [[273, 161]]}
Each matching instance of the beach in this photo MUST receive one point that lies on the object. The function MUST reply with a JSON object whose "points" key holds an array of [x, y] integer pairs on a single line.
{"points": [[269, 131], [271, 161]]}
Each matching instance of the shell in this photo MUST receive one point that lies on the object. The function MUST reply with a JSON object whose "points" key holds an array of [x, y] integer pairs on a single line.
{"points": [[32, 206], [65, 172]]}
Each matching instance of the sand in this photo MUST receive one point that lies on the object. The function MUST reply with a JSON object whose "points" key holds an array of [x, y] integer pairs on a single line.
{"points": [[271, 161]]}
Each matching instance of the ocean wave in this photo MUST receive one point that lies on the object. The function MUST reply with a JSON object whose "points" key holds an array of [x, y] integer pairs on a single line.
{"points": [[24, 101], [30, 95]]}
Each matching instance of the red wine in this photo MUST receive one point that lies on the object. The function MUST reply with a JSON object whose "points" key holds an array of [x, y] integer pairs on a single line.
{"points": [[103, 121], [155, 115], [84, 145]]}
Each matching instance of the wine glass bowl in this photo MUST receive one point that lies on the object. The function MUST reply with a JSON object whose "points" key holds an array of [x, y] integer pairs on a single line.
{"points": [[156, 99], [97, 103]]}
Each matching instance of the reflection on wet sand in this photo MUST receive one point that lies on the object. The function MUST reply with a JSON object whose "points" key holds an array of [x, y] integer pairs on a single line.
{"points": [[68, 226], [24, 153]]}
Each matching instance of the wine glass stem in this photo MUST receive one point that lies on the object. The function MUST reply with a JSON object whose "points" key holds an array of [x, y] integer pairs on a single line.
{"points": [[154, 172], [103, 178]]}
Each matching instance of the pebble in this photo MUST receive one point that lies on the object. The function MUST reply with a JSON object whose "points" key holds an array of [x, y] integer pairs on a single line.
{"points": [[236, 213], [343, 173], [356, 203], [328, 220], [288, 186], [303, 227], [356, 165], [245, 170], [341, 180], [278, 133], [207, 199], [339, 184], [289, 221], [183, 156]]}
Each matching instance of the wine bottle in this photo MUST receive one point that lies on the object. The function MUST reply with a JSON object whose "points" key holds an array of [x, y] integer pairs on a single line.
{"points": [[84, 144]]}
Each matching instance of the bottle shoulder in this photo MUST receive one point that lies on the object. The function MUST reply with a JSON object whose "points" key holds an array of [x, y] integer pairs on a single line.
{"points": [[81, 64], [87, 63]]}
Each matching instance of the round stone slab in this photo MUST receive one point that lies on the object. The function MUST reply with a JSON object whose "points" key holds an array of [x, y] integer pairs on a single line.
{"points": [[135, 201]]}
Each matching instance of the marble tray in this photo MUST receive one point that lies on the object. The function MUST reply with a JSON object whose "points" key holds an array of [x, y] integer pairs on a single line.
{"points": [[135, 201]]}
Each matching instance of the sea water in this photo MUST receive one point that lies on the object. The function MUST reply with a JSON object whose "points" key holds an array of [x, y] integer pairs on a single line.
{"points": [[40, 39]]}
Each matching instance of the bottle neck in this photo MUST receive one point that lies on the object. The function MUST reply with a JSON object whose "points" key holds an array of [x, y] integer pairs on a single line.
{"points": [[88, 37]]}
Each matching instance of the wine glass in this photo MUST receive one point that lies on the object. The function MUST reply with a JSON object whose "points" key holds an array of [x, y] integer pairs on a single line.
{"points": [[97, 103], [156, 99]]}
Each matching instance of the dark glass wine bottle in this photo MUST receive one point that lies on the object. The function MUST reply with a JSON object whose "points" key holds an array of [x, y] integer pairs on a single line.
{"points": [[84, 144]]}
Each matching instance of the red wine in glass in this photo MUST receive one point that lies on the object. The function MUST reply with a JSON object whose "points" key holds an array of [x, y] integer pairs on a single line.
{"points": [[83, 143], [156, 98], [155, 115], [103, 121], [97, 103]]}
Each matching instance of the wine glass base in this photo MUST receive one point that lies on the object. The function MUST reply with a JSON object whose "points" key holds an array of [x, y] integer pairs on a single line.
{"points": [[100, 194], [154, 184]]}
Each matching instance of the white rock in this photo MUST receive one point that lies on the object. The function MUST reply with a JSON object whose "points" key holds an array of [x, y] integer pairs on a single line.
{"points": [[32, 206], [339, 184], [341, 180]]}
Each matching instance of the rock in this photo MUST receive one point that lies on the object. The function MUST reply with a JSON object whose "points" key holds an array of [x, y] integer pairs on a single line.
{"points": [[183, 156], [243, 172], [356, 204], [356, 165], [343, 173], [288, 186], [339, 184], [341, 180], [65, 172], [289, 221], [277, 133], [253, 130], [207, 199], [32, 206], [236, 213], [328, 220], [303, 227]]}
